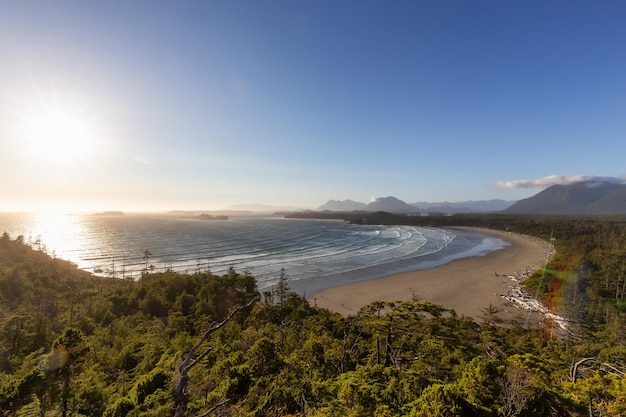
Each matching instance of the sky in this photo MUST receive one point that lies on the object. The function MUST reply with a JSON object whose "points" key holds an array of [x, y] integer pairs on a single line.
{"points": [[163, 105]]}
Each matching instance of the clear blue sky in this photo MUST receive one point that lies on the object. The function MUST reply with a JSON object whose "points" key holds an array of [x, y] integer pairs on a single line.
{"points": [[202, 104]]}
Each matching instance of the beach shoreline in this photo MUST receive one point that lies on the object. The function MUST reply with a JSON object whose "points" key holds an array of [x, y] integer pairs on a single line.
{"points": [[467, 285]]}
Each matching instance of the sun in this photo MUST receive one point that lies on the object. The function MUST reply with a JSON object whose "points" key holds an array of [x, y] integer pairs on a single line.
{"points": [[57, 135]]}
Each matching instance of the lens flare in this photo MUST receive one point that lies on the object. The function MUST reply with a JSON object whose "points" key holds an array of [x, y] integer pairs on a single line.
{"points": [[53, 361]]}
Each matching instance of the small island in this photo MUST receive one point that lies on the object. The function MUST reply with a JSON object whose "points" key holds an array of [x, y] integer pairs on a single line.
{"points": [[205, 216], [111, 213]]}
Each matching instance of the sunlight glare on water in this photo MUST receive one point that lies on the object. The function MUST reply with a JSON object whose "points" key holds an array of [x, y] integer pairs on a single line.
{"points": [[326, 251], [58, 234]]}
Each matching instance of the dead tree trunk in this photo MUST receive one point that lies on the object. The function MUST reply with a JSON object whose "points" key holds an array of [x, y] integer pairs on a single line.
{"points": [[191, 360], [606, 367], [573, 371]]}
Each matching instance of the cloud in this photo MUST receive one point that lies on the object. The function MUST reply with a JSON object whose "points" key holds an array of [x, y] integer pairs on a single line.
{"points": [[555, 180]]}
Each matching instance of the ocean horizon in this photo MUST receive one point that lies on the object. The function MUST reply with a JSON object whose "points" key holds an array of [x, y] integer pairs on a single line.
{"points": [[314, 254]]}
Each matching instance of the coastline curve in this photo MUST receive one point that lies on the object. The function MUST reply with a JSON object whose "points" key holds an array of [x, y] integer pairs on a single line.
{"points": [[466, 285]]}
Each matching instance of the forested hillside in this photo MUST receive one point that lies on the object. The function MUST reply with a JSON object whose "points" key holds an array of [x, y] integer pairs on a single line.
{"points": [[199, 344]]}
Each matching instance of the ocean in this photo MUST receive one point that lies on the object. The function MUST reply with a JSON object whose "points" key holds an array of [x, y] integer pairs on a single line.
{"points": [[314, 254]]}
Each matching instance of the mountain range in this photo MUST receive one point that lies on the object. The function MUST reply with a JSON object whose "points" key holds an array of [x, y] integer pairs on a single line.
{"points": [[593, 197], [585, 197], [394, 205]]}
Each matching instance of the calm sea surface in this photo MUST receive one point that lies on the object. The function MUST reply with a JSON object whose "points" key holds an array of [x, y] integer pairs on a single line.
{"points": [[313, 253]]}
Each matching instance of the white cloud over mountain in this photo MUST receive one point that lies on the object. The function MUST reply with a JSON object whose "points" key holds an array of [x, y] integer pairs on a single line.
{"points": [[555, 180]]}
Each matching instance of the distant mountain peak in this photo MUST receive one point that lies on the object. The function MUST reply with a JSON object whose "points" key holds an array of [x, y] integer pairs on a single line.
{"points": [[595, 196], [391, 205], [341, 205]]}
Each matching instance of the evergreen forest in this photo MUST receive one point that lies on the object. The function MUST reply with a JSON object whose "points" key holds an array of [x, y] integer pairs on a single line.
{"points": [[172, 344]]}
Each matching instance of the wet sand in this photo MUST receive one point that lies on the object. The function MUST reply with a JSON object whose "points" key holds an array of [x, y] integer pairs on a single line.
{"points": [[465, 285]]}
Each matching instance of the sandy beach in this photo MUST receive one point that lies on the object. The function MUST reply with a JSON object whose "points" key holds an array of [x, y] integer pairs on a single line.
{"points": [[466, 285]]}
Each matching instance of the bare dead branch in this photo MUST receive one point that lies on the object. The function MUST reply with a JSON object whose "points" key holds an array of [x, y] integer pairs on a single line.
{"points": [[573, 372], [609, 368], [191, 360], [215, 407], [200, 357], [188, 363], [615, 370]]}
